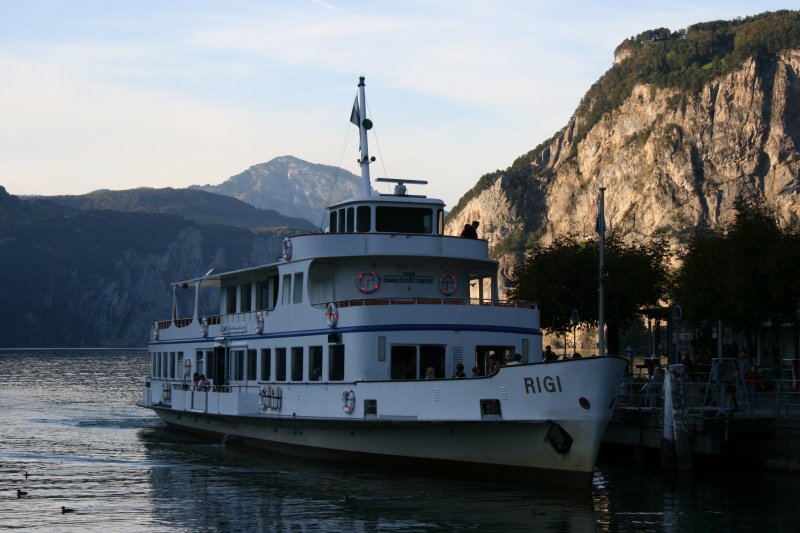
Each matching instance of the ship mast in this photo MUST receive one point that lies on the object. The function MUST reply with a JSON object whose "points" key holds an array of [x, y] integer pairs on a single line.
{"points": [[364, 124]]}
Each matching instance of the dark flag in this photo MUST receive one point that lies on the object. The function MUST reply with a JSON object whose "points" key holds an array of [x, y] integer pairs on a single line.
{"points": [[600, 224], [354, 115]]}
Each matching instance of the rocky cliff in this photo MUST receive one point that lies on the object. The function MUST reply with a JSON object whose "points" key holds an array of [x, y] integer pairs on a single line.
{"points": [[671, 159]]}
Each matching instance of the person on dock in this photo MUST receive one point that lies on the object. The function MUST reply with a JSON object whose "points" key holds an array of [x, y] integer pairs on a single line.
{"points": [[653, 387]]}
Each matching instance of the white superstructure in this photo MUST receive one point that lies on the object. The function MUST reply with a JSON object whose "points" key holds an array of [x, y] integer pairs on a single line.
{"points": [[324, 353]]}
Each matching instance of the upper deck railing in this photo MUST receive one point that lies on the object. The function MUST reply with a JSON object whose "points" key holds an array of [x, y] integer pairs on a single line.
{"points": [[435, 301], [362, 302]]}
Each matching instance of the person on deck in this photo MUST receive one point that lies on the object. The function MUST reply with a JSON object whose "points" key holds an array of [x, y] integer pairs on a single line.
{"points": [[470, 230], [549, 354]]}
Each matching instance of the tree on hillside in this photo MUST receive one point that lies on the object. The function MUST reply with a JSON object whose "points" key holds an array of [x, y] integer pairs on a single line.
{"points": [[564, 276]]}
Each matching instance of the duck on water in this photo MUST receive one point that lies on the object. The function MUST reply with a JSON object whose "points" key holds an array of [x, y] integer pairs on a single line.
{"points": [[326, 352]]}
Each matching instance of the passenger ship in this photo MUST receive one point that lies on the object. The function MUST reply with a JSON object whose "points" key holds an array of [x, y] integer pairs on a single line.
{"points": [[327, 353]]}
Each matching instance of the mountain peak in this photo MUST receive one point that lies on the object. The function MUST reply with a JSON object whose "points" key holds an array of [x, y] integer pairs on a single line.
{"points": [[291, 186]]}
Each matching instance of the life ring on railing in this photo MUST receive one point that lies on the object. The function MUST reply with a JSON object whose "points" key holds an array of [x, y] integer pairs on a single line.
{"points": [[448, 283], [277, 397], [287, 249], [264, 396], [348, 401], [331, 315], [368, 281]]}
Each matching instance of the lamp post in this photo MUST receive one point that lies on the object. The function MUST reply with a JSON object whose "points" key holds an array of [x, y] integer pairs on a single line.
{"points": [[574, 319], [677, 316]]}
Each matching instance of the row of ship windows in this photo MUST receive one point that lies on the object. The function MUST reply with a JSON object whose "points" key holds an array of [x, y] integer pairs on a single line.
{"points": [[298, 363], [288, 364], [388, 219], [239, 298]]}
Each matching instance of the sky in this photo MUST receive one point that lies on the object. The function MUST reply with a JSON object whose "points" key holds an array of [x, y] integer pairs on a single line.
{"points": [[117, 95]]}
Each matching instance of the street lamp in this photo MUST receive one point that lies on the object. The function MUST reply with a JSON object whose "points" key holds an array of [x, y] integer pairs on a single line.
{"points": [[574, 319]]}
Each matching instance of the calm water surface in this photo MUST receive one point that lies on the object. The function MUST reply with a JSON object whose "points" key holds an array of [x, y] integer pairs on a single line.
{"points": [[69, 420]]}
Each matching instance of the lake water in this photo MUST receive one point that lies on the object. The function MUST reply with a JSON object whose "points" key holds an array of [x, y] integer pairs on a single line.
{"points": [[69, 421]]}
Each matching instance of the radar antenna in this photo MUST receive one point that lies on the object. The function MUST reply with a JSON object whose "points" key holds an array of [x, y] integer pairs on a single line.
{"points": [[400, 188]]}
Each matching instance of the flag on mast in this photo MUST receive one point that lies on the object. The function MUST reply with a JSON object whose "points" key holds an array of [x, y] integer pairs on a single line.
{"points": [[355, 114], [600, 224]]}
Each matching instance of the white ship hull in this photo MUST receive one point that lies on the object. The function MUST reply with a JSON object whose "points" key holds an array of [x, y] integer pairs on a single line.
{"points": [[544, 432]]}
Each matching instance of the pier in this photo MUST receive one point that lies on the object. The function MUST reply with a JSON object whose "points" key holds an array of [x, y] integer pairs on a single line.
{"points": [[711, 417]]}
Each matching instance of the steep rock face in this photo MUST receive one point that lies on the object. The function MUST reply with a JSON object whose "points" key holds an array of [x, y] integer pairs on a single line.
{"points": [[669, 159], [291, 186]]}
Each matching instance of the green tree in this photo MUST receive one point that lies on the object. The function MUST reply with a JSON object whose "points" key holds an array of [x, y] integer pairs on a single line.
{"points": [[743, 274], [564, 276]]}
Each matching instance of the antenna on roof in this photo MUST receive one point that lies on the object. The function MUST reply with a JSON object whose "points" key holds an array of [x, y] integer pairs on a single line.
{"points": [[400, 188]]}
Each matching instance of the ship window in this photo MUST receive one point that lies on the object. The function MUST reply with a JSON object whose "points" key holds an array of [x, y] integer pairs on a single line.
{"points": [[315, 363], [280, 364], [198, 355], [490, 409], [298, 288], [336, 362], [297, 363], [287, 285], [273, 282], [341, 221], [403, 219], [211, 362], [246, 297], [432, 356], [230, 300], [251, 364], [262, 295], [165, 365], [237, 362], [484, 353], [440, 221], [153, 364], [404, 362], [363, 220], [351, 219], [332, 228], [216, 368], [266, 363]]}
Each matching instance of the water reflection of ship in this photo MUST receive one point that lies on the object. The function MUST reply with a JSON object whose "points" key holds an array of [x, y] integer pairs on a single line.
{"points": [[201, 486]]}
